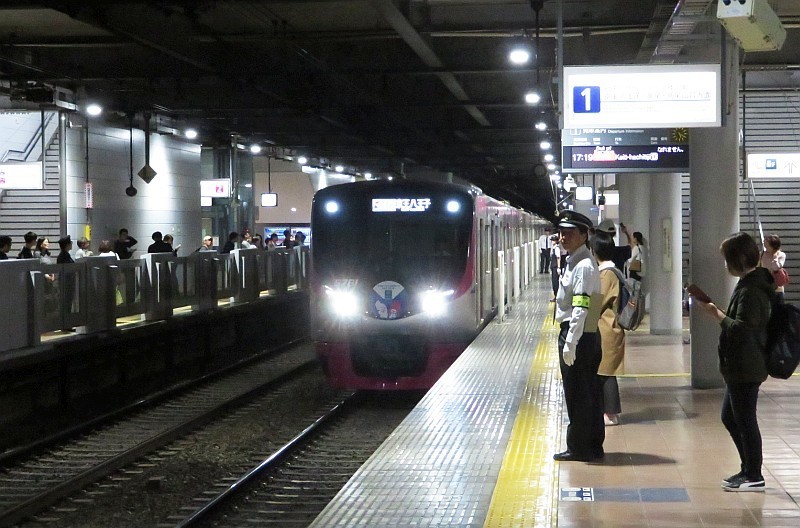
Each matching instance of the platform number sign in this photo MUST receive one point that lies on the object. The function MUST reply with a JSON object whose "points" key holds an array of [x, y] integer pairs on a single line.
{"points": [[586, 99]]}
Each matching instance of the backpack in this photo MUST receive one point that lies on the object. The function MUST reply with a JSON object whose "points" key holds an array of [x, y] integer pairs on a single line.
{"points": [[783, 340], [630, 311]]}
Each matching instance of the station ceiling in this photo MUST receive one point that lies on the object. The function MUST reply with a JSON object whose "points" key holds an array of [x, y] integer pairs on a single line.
{"points": [[377, 85]]}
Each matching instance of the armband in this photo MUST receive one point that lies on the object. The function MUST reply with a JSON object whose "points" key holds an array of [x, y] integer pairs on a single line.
{"points": [[581, 300]]}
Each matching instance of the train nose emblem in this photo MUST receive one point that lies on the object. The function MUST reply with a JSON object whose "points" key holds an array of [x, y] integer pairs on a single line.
{"points": [[388, 300]]}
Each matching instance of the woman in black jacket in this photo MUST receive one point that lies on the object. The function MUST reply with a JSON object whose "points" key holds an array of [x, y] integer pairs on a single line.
{"points": [[742, 342]]}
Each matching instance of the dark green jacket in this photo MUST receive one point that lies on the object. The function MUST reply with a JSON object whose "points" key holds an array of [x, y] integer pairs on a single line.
{"points": [[744, 329]]}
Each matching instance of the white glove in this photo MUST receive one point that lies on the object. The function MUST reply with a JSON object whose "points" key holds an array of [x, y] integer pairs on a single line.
{"points": [[569, 353]]}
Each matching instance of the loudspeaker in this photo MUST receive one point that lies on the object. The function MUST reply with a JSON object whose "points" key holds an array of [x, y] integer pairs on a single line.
{"points": [[753, 24]]}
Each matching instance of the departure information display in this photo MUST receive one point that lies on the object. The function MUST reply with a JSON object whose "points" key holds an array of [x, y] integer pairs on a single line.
{"points": [[626, 158]]}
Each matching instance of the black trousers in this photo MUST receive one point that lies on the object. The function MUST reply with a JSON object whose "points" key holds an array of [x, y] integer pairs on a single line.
{"points": [[583, 393], [544, 260], [739, 417]]}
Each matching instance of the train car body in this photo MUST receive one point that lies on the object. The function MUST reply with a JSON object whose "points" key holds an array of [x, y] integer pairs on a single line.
{"points": [[403, 277]]}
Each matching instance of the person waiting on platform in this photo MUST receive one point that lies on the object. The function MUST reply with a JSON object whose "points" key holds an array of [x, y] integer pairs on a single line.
{"points": [[742, 341], [168, 240], [272, 243], [30, 244], [544, 244], [105, 249], [612, 337], [158, 245], [774, 259], [621, 253], [555, 264], [123, 245], [287, 238], [65, 245], [635, 265], [83, 248], [208, 244], [578, 311], [230, 245], [5, 247], [247, 240]]}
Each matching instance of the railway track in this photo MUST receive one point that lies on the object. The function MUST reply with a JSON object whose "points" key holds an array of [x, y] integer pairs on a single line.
{"points": [[292, 485], [31, 485]]}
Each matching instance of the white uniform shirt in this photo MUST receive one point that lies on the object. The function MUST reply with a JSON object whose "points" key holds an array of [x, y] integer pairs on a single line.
{"points": [[579, 286], [544, 242]]}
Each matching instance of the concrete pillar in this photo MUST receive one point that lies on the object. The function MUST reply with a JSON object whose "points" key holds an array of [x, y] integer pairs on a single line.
{"points": [[634, 203], [663, 271], [714, 195]]}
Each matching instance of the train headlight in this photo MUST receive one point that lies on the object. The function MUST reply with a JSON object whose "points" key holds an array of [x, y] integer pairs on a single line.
{"points": [[342, 303], [453, 206], [331, 207], [434, 302]]}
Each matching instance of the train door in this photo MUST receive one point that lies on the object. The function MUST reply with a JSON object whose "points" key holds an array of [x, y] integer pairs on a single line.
{"points": [[493, 260], [486, 270]]}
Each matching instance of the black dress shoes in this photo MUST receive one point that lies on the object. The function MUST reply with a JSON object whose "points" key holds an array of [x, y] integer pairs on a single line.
{"points": [[569, 456]]}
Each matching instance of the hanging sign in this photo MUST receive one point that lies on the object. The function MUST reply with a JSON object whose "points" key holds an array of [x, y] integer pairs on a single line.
{"points": [[217, 188], [773, 165], [646, 96], [88, 195]]}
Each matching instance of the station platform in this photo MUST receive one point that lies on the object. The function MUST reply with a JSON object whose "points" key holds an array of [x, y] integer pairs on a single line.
{"points": [[477, 450]]}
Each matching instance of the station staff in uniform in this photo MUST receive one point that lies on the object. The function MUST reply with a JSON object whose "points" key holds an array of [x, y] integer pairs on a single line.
{"points": [[578, 310]]}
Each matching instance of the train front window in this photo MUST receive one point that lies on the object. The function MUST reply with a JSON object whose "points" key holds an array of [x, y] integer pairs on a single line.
{"points": [[395, 247]]}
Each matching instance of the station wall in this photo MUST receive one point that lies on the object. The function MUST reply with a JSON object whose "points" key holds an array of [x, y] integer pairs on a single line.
{"points": [[170, 203]]}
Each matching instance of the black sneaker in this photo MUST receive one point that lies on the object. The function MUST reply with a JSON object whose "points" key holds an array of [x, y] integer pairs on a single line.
{"points": [[742, 483], [732, 478]]}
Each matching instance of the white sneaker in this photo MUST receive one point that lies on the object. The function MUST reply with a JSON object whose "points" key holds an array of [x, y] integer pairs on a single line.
{"points": [[742, 483], [611, 419]]}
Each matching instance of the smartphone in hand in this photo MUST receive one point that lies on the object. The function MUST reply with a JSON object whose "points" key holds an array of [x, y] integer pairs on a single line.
{"points": [[698, 294]]}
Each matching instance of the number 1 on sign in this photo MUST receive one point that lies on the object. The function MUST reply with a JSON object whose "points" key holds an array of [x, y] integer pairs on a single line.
{"points": [[586, 99]]}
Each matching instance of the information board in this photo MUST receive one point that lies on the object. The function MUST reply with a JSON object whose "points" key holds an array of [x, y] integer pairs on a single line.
{"points": [[644, 96]]}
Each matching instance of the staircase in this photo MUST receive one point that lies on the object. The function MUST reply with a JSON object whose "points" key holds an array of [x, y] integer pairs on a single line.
{"points": [[36, 210]]}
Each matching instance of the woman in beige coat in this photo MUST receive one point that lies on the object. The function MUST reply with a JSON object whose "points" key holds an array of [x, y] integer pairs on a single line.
{"points": [[612, 337]]}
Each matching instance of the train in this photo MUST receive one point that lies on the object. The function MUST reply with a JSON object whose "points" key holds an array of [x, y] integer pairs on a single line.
{"points": [[403, 277]]}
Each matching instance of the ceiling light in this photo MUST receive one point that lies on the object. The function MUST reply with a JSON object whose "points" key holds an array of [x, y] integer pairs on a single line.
{"points": [[532, 98], [255, 149], [519, 56], [541, 125], [545, 145], [190, 133], [94, 109], [339, 168], [302, 160], [549, 157], [248, 185], [551, 167], [294, 209]]}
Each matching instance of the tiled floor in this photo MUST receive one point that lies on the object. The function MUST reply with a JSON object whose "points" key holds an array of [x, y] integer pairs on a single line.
{"points": [[665, 460]]}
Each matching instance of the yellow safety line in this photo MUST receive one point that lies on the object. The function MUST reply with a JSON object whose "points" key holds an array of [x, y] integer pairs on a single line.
{"points": [[526, 493]]}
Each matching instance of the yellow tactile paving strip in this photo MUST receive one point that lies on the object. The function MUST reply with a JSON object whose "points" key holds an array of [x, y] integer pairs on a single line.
{"points": [[526, 493]]}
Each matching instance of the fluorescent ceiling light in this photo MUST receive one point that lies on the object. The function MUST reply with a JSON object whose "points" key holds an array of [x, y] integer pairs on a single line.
{"points": [[519, 56], [532, 98]]}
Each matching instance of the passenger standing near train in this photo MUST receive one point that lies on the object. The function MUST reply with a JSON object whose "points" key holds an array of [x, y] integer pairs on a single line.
{"points": [[635, 265], [774, 259], [578, 311], [555, 263], [544, 252], [612, 337], [741, 355]]}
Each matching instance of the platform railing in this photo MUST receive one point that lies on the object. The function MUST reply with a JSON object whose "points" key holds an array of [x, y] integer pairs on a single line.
{"points": [[98, 294]]}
